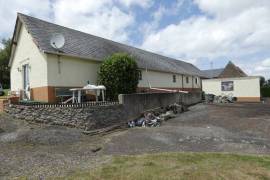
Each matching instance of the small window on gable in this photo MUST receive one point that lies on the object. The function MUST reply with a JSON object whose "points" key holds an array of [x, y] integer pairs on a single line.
{"points": [[187, 79], [174, 78], [140, 75], [196, 80]]}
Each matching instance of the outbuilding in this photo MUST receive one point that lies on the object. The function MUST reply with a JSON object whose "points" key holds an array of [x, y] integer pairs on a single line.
{"points": [[232, 81]]}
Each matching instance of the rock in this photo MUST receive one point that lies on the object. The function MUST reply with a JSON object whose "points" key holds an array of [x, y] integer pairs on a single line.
{"points": [[94, 150], [1, 130]]}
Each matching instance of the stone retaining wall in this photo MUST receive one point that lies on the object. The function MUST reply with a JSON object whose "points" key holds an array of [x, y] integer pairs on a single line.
{"points": [[86, 118], [93, 117]]}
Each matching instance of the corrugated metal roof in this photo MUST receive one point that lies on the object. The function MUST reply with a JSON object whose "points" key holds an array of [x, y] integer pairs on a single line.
{"points": [[91, 47]]}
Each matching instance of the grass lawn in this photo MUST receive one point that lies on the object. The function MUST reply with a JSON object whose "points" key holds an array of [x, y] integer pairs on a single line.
{"points": [[180, 166], [6, 92]]}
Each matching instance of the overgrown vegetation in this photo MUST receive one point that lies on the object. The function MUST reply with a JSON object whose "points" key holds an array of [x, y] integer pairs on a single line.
{"points": [[4, 60], [265, 87], [182, 166], [265, 91], [119, 74]]}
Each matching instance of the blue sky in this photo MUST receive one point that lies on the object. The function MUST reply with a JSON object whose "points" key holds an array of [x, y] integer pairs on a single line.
{"points": [[197, 31]]}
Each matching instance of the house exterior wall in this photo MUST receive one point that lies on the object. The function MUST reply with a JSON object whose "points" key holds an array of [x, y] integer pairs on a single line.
{"points": [[245, 88], [165, 80], [73, 72], [27, 53], [46, 73]]}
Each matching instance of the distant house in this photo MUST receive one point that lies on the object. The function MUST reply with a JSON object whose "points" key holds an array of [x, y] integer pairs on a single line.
{"points": [[230, 71], [44, 72], [233, 81]]}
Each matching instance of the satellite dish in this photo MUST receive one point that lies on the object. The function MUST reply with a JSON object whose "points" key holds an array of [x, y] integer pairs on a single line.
{"points": [[57, 41]]}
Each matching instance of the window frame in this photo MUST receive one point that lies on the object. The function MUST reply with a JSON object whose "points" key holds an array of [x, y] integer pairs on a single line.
{"points": [[225, 84], [174, 78], [187, 80]]}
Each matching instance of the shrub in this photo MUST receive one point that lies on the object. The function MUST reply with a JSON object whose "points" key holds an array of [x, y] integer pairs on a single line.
{"points": [[119, 74], [265, 91]]}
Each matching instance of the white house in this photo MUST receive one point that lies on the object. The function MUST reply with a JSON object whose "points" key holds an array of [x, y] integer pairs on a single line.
{"points": [[231, 80], [44, 72]]}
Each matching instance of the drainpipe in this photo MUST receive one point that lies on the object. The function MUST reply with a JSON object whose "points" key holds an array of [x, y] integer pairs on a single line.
{"points": [[192, 83], [182, 82]]}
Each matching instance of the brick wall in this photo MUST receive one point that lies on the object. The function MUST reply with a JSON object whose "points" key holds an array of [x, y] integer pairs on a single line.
{"points": [[3, 102]]}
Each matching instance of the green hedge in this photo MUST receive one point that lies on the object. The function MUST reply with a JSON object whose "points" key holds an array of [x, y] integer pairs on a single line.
{"points": [[265, 91], [119, 74]]}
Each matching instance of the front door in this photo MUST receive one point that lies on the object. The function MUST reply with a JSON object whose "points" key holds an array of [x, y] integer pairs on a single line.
{"points": [[26, 84]]}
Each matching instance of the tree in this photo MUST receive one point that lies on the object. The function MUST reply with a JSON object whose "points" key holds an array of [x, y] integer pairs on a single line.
{"points": [[119, 74], [4, 60], [267, 83], [262, 81]]}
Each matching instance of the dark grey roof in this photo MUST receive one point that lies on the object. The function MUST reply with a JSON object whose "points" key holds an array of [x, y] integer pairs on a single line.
{"points": [[87, 46], [213, 73]]}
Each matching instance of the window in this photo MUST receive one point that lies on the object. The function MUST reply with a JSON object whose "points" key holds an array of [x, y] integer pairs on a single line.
{"points": [[187, 80], [140, 75], [227, 86], [196, 80], [174, 78]]}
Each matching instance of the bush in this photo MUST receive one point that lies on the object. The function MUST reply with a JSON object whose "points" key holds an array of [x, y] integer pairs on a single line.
{"points": [[119, 74], [265, 91]]}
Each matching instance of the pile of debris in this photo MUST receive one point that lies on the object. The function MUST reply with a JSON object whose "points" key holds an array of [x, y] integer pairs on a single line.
{"points": [[155, 118], [211, 98]]}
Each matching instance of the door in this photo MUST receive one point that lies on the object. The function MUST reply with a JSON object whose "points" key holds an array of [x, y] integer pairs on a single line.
{"points": [[26, 83]]}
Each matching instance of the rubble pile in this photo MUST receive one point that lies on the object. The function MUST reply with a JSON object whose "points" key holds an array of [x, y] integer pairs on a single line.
{"points": [[156, 117], [211, 98]]}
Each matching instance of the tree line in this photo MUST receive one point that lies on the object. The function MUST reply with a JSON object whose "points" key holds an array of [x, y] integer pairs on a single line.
{"points": [[4, 60]]}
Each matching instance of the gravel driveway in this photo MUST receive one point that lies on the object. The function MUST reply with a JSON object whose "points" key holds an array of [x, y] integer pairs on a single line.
{"points": [[38, 151], [241, 128]]}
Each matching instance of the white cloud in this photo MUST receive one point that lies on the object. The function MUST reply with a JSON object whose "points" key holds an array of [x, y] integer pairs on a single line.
{"points": [[9, 9], [141, 3], [259, 68], [157, 15], [229, 8], [242, 30], [100, 18], [266, 63], [204, 37]]}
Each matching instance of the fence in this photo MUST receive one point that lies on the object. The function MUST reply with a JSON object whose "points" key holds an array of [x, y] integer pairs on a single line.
{"points": [[78, 105]]}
